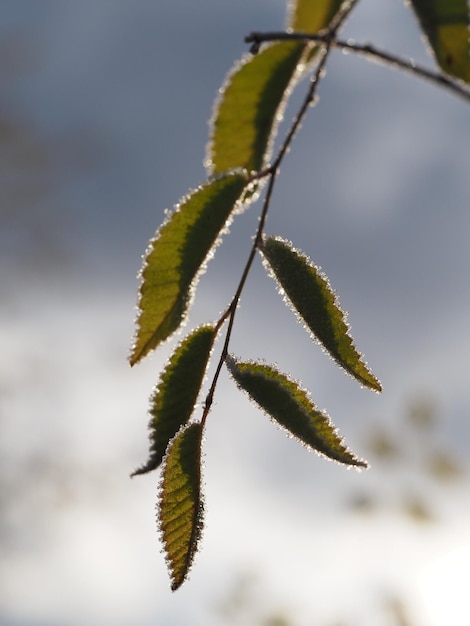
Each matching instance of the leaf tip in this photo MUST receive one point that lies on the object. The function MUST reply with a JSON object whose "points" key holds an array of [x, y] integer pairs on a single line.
{"points": [[152, 464], [360, 464], [181, 507], [133, 357], [378, 386]]}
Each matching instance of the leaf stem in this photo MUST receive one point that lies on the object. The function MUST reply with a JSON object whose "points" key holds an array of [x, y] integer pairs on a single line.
{"points": [[271, 172], [369, 51]]}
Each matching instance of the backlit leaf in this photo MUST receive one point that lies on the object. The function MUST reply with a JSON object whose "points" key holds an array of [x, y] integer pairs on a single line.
{"points": [[180, 506], [250, 106], [310, 17], [290, 405], [173, 400], [310, 294], [176, 257], [446, 26]]}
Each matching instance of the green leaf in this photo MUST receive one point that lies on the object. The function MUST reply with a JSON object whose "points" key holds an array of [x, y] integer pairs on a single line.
{"points": [[445, 23], [290, 405], [312, 297], [177, 256], [310, 17], [173, 400], [250, 106], [180, 504]]}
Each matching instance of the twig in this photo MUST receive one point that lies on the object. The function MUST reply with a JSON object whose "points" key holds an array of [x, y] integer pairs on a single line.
{"points": [[272, 173], [369, 51]]}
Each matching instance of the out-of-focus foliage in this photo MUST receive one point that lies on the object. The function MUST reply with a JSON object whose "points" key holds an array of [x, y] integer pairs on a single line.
{"points": [[411, 457], [249, 602]]}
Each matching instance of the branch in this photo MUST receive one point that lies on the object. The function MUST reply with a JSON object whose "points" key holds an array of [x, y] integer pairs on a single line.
{"points": [[272, 173], [370, 52]]}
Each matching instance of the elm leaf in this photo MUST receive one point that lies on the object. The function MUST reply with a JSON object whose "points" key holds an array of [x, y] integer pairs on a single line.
{"points": [[180, 503], [177, 256], [173, 400], [290, 406], [311, 296], [446, 26], [310, 17], [250, 107]]}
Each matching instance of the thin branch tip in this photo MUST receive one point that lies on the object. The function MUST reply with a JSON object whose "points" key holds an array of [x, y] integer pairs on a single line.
{"points": [[370, 52]]}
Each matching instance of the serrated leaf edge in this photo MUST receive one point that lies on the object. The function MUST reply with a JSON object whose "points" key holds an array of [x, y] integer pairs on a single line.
{"points": [[198, 517], [356, 462], [279, 116], [150, 465], [239, 207], [377, 387]]}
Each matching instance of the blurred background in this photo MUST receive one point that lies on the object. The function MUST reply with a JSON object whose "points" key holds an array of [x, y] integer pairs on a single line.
{"points": [[103, 125]]}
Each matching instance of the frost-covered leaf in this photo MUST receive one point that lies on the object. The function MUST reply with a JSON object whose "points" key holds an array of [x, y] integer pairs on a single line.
{"points": [[445, 24], [290, 405], [180, 504], [173, 400], [310, 17], [250, 107], [176, 257], [312, 297]]}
